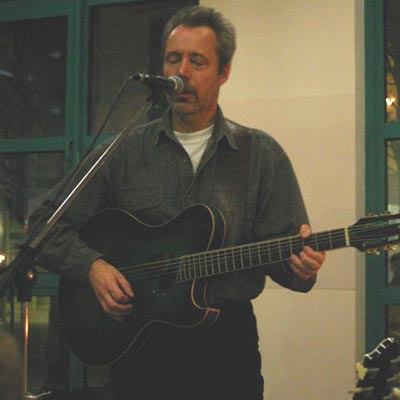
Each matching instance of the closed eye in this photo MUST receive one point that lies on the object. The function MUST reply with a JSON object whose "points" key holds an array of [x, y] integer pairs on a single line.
{"points": [[173, 58]]}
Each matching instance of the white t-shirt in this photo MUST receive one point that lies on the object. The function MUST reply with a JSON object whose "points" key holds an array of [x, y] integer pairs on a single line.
{"points": [[195, 143]]}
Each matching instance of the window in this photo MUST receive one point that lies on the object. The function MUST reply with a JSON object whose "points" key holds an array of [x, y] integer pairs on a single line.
{"points": [[382, 46], [62, 65]]}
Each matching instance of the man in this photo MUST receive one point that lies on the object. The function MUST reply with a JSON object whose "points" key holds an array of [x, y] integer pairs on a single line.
{"points": [[193, 155]]}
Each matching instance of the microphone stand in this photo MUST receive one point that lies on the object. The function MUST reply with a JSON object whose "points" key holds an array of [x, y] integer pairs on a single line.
{"points": [[22, 270]]}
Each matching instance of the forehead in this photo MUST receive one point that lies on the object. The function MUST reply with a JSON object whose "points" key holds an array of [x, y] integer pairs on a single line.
{"points": [[200, 39]]}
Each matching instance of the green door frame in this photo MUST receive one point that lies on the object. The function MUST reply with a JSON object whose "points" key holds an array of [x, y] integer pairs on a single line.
{"points": [[378, 131], [75, 140], [69, 143]]}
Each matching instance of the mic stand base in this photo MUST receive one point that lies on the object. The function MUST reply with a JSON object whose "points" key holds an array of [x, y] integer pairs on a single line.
{"points": [[24, 347]]}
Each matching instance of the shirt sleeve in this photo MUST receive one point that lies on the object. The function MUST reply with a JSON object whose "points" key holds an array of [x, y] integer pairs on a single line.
{"points": [[280, 211], [277, 211], [64, 252]]}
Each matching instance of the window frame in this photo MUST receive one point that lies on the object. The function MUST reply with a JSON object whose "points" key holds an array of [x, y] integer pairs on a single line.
{"points": [[378, 132]]}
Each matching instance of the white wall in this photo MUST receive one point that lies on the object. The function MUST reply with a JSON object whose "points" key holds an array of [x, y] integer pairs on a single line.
{"points": [[298, 74]]}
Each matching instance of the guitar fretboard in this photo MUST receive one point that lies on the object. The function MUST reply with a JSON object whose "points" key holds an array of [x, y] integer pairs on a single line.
{"points": [[254, 255]]}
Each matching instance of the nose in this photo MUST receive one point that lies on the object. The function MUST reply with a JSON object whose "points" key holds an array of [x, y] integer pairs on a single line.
{"points": [[184, 69]]}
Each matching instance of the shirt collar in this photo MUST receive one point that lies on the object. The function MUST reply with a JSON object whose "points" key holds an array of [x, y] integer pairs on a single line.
{"points": [[220, 131]]}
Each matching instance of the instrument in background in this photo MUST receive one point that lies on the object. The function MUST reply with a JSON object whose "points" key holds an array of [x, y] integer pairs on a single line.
{"points": [[169, 267], [378, 375]]}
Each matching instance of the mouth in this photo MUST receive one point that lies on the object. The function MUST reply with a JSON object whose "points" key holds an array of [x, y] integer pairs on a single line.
{"points": [[185, 95]]}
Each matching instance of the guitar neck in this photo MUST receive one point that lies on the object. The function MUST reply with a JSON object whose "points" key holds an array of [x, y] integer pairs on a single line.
{"points": [[257, 255]]}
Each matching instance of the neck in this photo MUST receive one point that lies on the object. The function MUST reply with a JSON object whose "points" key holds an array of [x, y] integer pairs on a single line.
{"points": [[191, 123]]}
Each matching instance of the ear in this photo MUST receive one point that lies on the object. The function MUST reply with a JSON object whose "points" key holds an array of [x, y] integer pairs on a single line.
{"points": [[224, 75]]}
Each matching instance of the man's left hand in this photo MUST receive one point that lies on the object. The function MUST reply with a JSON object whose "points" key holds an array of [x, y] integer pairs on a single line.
{"points": [[306, 264]]}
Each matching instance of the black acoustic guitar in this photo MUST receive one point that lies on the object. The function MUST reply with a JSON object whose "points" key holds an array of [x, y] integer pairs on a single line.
{"points": [[169, 267]]}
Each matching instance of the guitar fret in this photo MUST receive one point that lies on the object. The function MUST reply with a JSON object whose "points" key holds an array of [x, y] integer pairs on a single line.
{"points": [[196, 261], [219, 264], [197, 271], [212, 266], [179, 273], [226, 261], [187, 272], [259, 254], [250, 256], [269, 252], [280, 250], [346, 235], [186, 268], [209, 269], [191, 266], [182, 269], [330, 239], [316, 242], [241, 257], [202, 266], [247, 263]]}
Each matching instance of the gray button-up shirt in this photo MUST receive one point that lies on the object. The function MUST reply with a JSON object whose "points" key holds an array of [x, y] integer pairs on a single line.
{"points": [[151, 176]]}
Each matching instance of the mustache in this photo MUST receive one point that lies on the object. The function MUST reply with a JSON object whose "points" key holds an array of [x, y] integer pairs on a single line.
{"points": [[189, 90]]}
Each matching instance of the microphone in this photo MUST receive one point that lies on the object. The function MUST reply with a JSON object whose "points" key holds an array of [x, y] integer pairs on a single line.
{"points": [[173, 84]]}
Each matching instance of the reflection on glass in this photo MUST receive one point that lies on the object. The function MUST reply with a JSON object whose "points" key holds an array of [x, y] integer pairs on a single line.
{"points": [[393, 199], [393, 320], [46, 360], [24, 181], [392, 58], [32, 78], [125, 39], [394, 269]]}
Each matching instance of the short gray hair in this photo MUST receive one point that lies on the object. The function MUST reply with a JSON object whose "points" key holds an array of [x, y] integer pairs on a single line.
{"points": [[204, 16]]}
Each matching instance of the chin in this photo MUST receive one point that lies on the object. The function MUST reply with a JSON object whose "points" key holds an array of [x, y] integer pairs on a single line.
{"points": [[182, 108]]}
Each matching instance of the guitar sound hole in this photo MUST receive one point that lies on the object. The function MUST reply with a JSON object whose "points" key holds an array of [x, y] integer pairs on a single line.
{"points": [[163, 284]]}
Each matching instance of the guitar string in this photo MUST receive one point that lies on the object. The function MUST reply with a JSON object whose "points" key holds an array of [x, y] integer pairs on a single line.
{"points": [[228, 255], [271, 245], [222, 266], [207, 265]]}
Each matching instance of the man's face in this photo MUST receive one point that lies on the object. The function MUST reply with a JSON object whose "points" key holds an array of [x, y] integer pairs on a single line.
{"points": [[191, 54]]}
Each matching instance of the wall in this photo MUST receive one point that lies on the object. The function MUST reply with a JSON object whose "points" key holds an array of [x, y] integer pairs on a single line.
{"points": [[298, 74]]}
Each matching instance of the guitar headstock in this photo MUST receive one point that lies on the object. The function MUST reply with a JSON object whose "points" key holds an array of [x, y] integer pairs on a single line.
{"points": [[373, 234], [378, 374]]}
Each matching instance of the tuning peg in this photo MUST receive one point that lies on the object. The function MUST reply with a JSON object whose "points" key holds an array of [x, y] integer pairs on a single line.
{"points": [[374, 252], [396, 393], [370, 214], [389, 247], [361, 371]]}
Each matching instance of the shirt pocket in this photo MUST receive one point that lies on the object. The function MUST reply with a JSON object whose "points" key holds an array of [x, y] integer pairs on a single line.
{"points": [[138, 197]]}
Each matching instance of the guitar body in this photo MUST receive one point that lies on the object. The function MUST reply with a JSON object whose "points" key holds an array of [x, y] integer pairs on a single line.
{"points": [[96, 338]]}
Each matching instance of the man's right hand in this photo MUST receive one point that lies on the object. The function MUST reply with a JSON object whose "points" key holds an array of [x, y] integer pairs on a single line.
{"points": [[111, 289]]}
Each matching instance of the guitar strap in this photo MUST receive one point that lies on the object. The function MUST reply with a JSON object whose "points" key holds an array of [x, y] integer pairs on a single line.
{"points": [[232, 180]]}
